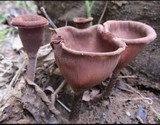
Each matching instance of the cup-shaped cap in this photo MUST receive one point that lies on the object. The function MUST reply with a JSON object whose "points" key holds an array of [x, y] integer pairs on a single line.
{"points": [[132, 32], [29, 21], [31, 29], [135, 34], [87, 56]]}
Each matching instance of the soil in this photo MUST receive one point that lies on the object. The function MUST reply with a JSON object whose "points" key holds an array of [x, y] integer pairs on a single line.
{"points": [[133, 100]]}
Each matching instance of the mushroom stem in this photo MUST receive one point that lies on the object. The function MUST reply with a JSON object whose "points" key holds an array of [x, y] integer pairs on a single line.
{"points": [[31, 67], [75, 109], [112, 81], [108, 89]]}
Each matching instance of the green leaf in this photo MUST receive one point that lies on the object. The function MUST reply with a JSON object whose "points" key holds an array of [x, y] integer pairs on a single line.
{"points": [[21, 4], [3, 34], [88, 9], [2, 18], [89, 6], [158, 117], [27, 5]]}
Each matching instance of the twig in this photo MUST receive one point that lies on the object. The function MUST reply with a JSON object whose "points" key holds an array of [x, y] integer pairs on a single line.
{"points": [[66, 108], [57, 91], [126, 77], [60, 87], [53, 96], [49, 19], [18, 73], [15, 78], [104, 9], [125, 89], [145, 99]]}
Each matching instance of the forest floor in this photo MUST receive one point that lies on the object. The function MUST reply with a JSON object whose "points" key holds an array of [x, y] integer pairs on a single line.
{"points": [[131, 102]]}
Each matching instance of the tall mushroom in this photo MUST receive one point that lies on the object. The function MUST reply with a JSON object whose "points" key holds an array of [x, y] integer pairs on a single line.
{"points": [[31, 29], [85, 58]]}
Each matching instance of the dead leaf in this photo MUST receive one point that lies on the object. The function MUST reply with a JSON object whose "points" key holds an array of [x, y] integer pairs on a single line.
{"points": [[86, 96], [93, 93], [89, 95], [17, 44]]}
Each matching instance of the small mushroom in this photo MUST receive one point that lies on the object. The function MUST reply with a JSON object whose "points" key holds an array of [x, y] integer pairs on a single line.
{"points": [[82, 22]]}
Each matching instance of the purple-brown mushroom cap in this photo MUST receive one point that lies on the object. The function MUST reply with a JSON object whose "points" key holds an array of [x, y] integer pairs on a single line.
{"points": [[29, 21]]}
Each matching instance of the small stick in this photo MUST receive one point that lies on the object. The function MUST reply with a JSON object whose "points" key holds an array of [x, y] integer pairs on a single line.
{"points": [[57, 91], [53, 96], [126, 77], [60, 87], [104, 9], [49, 19], [65, 107], [145, 99], [16, 76]]}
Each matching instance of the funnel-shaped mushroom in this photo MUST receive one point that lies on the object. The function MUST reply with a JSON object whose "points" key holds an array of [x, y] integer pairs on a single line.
{"points": [[31, 29], [135, 34], [85, 57], [81, 22]]}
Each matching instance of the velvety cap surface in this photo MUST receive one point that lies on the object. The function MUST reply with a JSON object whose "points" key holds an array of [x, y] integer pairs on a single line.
{"points": [[31, 20]]}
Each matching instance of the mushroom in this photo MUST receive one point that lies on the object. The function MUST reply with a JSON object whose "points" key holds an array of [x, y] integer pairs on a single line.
{"points": [[31, 29]]}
